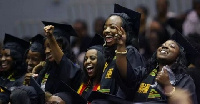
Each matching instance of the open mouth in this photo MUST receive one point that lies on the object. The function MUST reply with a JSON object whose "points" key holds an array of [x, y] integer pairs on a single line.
{"points": [[89, 69], [49, 56], [4, 65], [109, 38], [163, 51]]}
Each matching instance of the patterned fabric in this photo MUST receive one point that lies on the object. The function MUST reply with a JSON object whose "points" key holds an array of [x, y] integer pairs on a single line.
{"points": [[108, 84], [85, 88], [148, 88]]}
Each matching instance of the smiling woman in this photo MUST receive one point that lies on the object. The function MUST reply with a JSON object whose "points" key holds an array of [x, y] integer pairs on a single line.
{"points": [[168, 52], [12, 64], [90, 62], [93, 66], [166, 71], [6, 60], [35, 53], [120, 49]]}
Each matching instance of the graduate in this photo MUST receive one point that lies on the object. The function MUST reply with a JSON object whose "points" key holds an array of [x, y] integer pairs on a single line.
{"points": [[166, 71], [120, 49], [34, 58], [93, 66], [59, 66], [35, 54], [12, 64], [120, 25]]}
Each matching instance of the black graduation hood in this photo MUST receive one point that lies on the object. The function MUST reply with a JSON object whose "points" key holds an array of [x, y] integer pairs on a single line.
{"points": [[190, 51], [37, 44], [62, 30]]}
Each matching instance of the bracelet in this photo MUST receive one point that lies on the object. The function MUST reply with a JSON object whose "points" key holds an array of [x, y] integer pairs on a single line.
{"points": [[170, 93], [123, 53]]}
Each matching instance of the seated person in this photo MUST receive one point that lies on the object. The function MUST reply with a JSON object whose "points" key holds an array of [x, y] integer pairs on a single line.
{"points": [[13, 68]]}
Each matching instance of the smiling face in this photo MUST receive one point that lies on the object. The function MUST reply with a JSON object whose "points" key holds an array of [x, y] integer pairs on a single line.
{"points": [[6, 60], [110, 30], [33, 59], [168, 52], [90, 62]]}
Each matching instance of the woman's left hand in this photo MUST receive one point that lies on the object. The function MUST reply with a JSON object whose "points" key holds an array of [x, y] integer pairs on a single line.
{"points": [[38, 67], [163, 78], [120, 37]]}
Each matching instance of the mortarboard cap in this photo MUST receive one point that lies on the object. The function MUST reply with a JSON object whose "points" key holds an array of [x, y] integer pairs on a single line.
{"points": [[95, 95], [15, 45], [134, 16], [133, 26], [62, 30], [66, 97], [190, 50], [37, 43], [69, 95], [40, 92]]}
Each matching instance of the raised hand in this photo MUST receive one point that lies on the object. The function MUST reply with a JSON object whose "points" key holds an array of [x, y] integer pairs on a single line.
{"points": [[49, 30], [120, 36]]}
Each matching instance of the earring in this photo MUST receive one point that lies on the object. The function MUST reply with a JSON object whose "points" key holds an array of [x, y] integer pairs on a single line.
{"points": [[157, 65], [104, 43]]}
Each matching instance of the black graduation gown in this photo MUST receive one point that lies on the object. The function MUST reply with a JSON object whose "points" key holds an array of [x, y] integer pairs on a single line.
{"points": [[194, 73], [10, 84], [135, 73], [134, 60], [183, 81], [66, 72]]}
